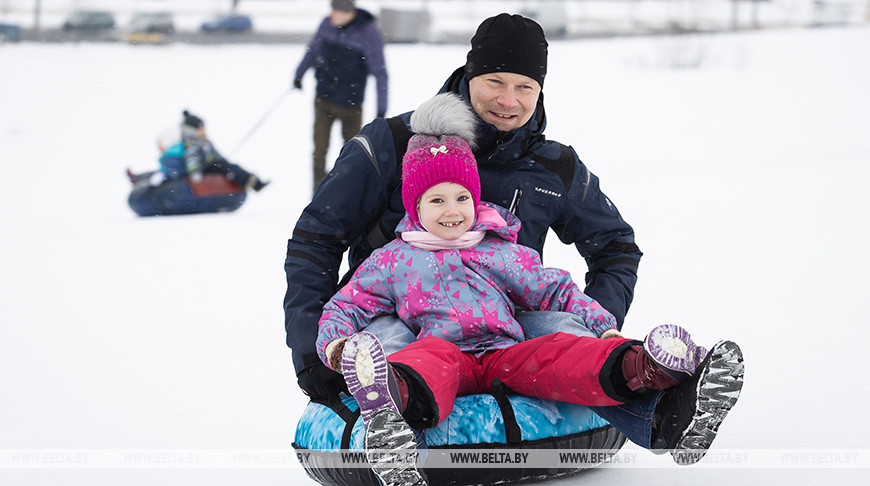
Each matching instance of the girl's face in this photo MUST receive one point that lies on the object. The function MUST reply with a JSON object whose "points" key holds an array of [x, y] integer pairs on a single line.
{"points": [[446, 210]]}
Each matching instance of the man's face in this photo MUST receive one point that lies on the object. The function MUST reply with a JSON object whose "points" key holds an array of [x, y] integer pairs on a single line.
{"points": [[339, 18], [506, 100]]}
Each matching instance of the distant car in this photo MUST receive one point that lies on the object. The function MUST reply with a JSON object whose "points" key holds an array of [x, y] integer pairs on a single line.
{"points": [[149, 28], [228, 23], [152, 23], [10, 33], [89, 21]]}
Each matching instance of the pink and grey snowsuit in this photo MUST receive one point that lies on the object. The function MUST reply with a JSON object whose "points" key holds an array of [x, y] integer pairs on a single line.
{"points": [[461, 302]]}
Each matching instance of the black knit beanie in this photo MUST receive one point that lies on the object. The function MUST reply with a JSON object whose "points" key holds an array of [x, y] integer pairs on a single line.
{"points": [[191, 120], [508, 43], [343, 5]]}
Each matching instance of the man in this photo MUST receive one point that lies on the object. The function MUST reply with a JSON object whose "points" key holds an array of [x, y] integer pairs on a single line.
{"points": [[544, 184], [359, 203], [345, 50]]}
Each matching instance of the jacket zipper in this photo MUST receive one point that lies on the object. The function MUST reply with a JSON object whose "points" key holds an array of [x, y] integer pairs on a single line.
{"points": [[515, 201]]}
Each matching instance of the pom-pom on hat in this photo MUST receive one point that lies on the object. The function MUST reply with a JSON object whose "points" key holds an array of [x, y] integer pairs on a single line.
{"points": [[440, 150], [508, 44]]}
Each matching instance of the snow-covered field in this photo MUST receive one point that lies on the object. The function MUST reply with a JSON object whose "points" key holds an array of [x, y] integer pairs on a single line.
{"points": [[744, 177]]}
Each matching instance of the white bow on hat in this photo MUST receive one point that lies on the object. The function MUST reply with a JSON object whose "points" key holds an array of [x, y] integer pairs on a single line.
{"points": [[435, 151]]}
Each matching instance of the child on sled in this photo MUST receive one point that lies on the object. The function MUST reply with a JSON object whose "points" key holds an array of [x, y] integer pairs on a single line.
{"points": [[188, 152]]}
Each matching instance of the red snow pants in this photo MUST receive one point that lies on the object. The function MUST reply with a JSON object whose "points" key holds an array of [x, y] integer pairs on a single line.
{"points": [[557, 366]]}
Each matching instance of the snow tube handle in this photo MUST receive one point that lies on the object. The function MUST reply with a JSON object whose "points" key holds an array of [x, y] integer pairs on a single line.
{"points": [[512, 432], [349, 416], [500, 391]]}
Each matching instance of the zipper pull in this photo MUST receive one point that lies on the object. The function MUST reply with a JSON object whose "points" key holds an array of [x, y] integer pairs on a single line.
{"points": [[515, 201]]}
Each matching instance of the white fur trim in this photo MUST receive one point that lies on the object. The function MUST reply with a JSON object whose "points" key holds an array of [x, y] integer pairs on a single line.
{"points": [[445, 114]]}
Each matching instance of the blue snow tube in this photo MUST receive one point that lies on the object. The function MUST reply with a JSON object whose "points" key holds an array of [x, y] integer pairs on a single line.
{"points": [[214, 193], [485, 422]]}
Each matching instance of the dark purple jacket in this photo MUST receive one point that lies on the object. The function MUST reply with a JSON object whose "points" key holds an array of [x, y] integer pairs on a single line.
{"points": [[343, 57]]}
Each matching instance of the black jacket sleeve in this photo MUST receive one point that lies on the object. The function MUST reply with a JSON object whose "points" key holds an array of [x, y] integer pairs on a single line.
{"points": [[592, 223], [348, 203]]}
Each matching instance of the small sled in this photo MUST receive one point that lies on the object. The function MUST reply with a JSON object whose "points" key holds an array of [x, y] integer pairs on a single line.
{"points": [[330, 436], [214, 193]]}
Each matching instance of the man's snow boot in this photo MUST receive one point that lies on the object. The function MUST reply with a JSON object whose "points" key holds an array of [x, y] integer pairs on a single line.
{"points": [[390, 444], [688, 416]]}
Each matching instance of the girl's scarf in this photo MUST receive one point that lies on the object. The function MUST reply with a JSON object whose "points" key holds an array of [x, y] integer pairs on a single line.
{"points": [[425, 240]]}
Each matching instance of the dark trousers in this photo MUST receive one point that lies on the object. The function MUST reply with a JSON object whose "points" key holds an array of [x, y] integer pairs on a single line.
{"points": [[324, 114], [233, 172]]}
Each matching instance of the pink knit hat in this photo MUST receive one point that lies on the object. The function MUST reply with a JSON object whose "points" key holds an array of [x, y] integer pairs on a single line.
{"points": [[439, 152]]}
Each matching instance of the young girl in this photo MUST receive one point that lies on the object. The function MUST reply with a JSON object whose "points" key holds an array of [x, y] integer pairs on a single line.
{"points": [[455, 276]]}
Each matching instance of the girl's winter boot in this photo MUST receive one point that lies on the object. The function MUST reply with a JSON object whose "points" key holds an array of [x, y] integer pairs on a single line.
{"points": [[672, 349], [390, 444], [668, 357]]}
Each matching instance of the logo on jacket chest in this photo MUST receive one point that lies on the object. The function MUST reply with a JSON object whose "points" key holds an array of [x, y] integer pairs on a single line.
{"points": [[547, 192]]}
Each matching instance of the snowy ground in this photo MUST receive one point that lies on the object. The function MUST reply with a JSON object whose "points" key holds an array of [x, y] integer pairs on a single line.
{"points": [[743, 177]]}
